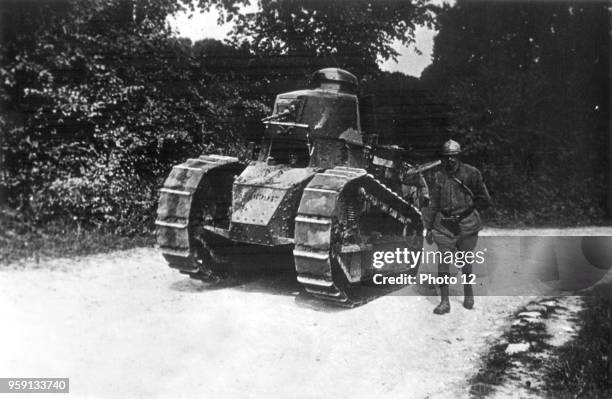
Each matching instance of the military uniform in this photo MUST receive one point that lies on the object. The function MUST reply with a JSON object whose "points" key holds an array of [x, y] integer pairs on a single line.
{"points": [[450, 199], [453, 218]]}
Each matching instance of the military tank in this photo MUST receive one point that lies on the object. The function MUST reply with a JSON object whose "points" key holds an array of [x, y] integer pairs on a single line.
{"points": [[310, 193]]}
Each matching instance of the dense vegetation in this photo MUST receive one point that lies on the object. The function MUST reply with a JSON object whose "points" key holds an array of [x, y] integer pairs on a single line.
{"points": [[529, 85], [99, 99]]}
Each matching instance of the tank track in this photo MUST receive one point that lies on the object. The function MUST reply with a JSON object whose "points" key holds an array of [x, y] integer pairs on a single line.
{"points": [[318, 245], [183, 200]]}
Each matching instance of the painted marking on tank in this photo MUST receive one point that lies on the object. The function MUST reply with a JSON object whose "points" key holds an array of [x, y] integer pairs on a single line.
{"points": [[265, 197]]}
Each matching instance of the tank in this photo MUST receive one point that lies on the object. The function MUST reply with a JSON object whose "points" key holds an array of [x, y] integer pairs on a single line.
{"points": [[312, 195]]}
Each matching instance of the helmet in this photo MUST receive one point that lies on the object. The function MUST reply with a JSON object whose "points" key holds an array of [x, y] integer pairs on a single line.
{"points": [[451, 147]]}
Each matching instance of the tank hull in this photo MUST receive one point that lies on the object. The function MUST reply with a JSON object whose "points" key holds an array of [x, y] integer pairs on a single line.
{"points": [[308, 197], [217, 216]]}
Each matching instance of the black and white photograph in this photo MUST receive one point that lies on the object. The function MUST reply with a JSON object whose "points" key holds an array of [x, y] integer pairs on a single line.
{"points": [[305, 199]]}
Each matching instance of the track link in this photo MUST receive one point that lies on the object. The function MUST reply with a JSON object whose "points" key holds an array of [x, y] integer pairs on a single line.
{"points": [[180, 214], [318, 245]]}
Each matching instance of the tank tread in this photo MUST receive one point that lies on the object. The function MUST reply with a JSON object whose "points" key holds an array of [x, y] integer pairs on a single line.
{"points": [[325, 289], [317, 260], [175, 214]]}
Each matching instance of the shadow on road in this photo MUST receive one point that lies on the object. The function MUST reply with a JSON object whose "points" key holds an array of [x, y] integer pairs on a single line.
{"points": [[272, 282], [263, 280], [278, 278]]}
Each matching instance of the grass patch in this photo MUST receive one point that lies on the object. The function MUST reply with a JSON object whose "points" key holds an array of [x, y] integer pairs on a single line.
{"points": [[496, 362], [21, 241], [582, 367], [492, 373]]}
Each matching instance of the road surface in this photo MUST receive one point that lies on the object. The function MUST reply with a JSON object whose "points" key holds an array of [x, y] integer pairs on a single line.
{"points": [[125, 325]]}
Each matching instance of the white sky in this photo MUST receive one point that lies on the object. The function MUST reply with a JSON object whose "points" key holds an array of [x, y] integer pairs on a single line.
{"points": [[204, 25]]}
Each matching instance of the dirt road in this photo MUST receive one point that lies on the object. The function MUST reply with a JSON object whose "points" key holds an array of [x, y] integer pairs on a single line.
{"points": [[125, 325]]}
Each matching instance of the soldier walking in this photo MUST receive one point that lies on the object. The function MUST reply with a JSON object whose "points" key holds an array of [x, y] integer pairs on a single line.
{"points": [[454, 221]]}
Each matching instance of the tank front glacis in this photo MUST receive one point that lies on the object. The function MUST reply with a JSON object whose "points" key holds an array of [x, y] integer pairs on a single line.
{"points": [[264, 202]]}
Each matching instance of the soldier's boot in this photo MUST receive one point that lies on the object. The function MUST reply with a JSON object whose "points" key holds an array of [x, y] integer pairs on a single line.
{"points": [[468, 290], [444, 306], [468, 296]]}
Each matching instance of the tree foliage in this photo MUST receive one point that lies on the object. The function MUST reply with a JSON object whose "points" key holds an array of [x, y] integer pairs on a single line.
{"points": [[346, 33], [98, 102], [529, 85]]}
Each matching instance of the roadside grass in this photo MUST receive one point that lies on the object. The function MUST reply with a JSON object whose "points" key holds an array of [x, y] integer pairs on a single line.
{"points": [[492, 372], [21, 241], [495, 364], [583, 367]]}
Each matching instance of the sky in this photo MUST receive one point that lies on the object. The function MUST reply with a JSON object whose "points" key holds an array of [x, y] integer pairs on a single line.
{"points": [[204, 25]]}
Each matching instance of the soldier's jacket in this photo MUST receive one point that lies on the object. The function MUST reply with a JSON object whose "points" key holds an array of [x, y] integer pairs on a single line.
{"points": [[448, 198]]}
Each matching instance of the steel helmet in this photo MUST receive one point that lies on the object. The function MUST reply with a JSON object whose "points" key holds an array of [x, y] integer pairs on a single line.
{"points": [[451, 147]]}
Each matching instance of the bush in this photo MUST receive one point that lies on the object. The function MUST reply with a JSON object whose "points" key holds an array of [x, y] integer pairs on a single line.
{"points": [[98, 102]]}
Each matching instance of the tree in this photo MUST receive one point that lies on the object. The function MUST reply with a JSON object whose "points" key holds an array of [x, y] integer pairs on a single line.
{"points": [[98, 101], [348, 33], [530, 87]]}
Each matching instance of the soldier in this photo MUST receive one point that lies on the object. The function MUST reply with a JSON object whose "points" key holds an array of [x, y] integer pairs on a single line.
{"points": [[454, 221]]}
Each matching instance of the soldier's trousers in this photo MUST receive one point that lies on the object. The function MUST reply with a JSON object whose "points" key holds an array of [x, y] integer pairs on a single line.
{"points": [[457, 243]]}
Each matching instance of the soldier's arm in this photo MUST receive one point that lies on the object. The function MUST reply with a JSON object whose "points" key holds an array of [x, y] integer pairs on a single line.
{"points": [[482, 199]]}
